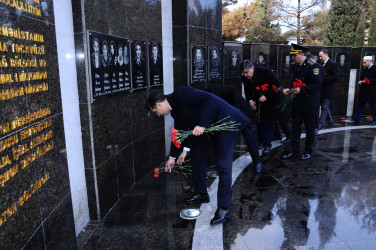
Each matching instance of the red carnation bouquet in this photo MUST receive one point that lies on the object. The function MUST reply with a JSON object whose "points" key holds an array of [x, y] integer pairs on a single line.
{"points": [[179, 169], [263, 87], [298, 84], [367, 81], [178, 136]]}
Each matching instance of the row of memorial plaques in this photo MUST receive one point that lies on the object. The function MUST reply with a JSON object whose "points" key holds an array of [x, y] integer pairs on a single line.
{"points": [[341, 58], [121, 65], [199, 67]]}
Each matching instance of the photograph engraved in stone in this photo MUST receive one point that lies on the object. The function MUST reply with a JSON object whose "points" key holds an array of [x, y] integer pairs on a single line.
{"points": [[287, 63], [215, 64], [342, 62], [155, 64], [138, 65], [198, 64], [108, 69], [261, 59], [233, 62]]}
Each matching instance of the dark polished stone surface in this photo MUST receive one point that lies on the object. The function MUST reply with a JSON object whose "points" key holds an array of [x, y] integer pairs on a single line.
{"points": [[326, 202], [196, 13], [91, 193], [107, 183], [125, 170]]}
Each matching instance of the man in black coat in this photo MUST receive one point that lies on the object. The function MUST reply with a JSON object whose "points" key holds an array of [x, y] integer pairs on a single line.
{"points": [[328, 86], [367, 90], [197, 110], [305, 86], [261, 90]]}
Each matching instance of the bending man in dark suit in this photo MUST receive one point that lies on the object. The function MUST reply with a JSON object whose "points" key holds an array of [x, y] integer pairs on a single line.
{"points": [[328, 86], [233, 97], [195, 109]]}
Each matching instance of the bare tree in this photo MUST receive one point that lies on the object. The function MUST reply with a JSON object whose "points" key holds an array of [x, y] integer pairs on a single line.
{"points": [[292, 13]]}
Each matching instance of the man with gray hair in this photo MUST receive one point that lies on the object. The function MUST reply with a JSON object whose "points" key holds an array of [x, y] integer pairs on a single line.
{"points": [[367, 90], [328, 87]]}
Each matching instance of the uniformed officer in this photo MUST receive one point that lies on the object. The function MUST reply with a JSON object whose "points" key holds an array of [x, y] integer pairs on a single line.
{"points": [[305, 86], [367, 90]]}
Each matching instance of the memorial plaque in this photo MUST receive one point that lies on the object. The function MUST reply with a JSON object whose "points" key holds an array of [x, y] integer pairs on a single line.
{"points": [[287, 63], [198, 73], [261, 59], [34, 182], [155, 64], [233, 62], [215, 64], [342, 60], [109, 65], [139, 65]]}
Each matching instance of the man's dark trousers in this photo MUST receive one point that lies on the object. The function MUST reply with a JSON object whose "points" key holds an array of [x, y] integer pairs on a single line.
{"points": [[222, 141]]}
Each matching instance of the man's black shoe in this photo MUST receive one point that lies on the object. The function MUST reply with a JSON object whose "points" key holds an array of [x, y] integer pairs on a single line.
{"points": [[306, 156], [286, 141], [258, 167], [373, 124], [290, 156], [353, 122], [260, 146], [266, 150], [220, 216], [198, 198]]}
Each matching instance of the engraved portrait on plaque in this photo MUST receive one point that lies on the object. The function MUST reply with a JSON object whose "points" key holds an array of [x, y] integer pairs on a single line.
{"points": [[233, 60], [198, 64], [215, 64], [287, 63], [261, 59], [342, 61], [155, 64], [108, 69], [138, 65]]}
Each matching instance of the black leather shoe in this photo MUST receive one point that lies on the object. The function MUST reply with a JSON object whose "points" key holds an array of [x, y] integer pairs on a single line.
{"points": [[258, 167], [266, 150], [306, 156], [373, 124], [353, 122], [290, 156], [220, 216], [197, 198], [260, 146]]}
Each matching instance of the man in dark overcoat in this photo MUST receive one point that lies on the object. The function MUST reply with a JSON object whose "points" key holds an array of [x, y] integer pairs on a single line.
{"points": [[261, 86], [196, 110], [367, 90], [305, 86], [328, 86]]}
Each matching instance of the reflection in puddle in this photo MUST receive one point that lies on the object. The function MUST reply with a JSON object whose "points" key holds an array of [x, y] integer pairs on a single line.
{"points": [[318, 204]]}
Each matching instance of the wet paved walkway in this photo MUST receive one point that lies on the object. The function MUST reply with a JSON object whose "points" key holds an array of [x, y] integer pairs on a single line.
{"points": [[326, 202]]}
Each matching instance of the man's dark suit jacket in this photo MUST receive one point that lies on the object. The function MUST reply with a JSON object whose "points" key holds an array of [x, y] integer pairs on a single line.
{"points": [[263, 75], [329, 81], [192, 107], [367, 92]]}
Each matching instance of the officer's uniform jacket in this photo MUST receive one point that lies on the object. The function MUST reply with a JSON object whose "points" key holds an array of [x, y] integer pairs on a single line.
{"points": [[367, 92]]}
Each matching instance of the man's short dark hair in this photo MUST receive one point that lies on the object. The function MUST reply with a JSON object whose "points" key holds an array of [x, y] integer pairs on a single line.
{"points": [[324, 51], [246, 64], [153, 99], [309, 55]]}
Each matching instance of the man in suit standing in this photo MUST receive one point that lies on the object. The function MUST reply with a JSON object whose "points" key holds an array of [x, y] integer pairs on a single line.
{"points": [[328, 86], [367, 90], [266, 98], [305, 86], [195, 109]]}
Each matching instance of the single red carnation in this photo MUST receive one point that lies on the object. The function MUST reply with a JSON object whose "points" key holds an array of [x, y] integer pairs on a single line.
{"points": [[257, 88]]}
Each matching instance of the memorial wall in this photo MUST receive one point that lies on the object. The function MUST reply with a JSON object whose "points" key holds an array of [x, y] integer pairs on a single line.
{"points": [[35, 201], [122, 141]]}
